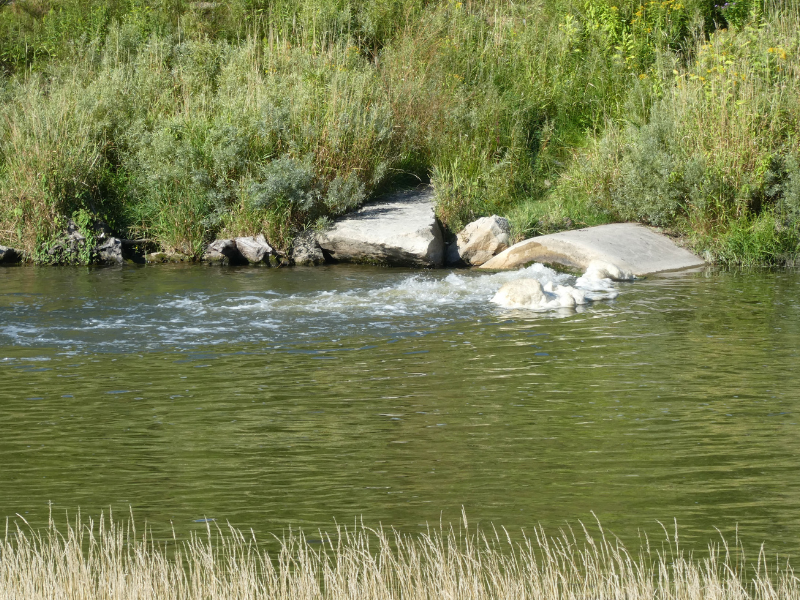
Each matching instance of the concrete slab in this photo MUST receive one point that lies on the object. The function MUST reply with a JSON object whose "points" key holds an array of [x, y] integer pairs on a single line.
{"points": [[631, 247], [400, 229]]}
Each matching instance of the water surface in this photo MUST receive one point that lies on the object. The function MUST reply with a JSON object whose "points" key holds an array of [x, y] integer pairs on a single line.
{"points": [[278, 397]]}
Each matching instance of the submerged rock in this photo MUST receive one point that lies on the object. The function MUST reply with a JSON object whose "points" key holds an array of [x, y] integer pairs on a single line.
{"points": [[599, 269], [480, 241], [531, 294], [400, 229], [255, 250], [630, 248], [520, 293], [306, 250]]}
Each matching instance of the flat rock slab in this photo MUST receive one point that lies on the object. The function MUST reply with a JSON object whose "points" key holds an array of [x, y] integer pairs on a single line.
{"points": [[629, 246], [400, 229]]}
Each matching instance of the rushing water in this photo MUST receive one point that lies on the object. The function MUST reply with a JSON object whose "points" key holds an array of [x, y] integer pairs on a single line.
{"points": [[278, 397]]}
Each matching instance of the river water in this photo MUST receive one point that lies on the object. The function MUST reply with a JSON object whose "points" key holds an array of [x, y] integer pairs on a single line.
{"points": [[272, 398]]}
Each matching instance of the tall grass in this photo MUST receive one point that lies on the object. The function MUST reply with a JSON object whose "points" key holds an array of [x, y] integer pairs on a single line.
{"points": [[109, 559], [709, 148], [181, 121]]}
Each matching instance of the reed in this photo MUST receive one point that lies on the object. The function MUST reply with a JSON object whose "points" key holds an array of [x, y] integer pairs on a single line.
{"points": [[108, 559]]}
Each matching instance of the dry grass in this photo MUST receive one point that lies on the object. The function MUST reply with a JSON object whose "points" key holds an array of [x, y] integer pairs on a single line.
{"points": [[107, 559]]}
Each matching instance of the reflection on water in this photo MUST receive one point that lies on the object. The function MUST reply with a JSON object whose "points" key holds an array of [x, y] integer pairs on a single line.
{"points": [[294, 397]]}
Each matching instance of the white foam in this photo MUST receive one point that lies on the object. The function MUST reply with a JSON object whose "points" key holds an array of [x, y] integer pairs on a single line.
{"points": [[420, 294], [598, 270], [538, 288], [389, 300]]}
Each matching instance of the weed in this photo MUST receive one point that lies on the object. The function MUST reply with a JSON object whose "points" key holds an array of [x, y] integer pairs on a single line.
{"points": [[109, 558], [179, 122]]}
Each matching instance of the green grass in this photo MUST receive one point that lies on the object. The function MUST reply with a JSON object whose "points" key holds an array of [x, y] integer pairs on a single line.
{"points": [[180, 121], [110, 559]]}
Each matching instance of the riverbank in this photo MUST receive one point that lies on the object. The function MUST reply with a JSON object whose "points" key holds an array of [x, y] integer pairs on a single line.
{"points": [[107, 559], [180, 123]]}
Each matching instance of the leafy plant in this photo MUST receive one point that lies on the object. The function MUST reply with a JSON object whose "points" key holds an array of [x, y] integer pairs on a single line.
{"points": [[285, 182]]}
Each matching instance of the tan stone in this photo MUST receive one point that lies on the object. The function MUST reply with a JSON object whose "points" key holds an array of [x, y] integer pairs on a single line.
{"points": [[630, 247], [400, 229], [255, 249], [480, 241]]}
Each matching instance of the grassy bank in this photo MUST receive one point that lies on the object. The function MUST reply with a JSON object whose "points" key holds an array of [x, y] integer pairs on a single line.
{"points": [[108, 559], [183, 121]]}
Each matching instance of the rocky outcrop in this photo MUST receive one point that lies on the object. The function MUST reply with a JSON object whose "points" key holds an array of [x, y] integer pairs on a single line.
{"points": [[479, 241], [306, 250], [255, 250], [400, 229], [9, 256], [630, 248]]}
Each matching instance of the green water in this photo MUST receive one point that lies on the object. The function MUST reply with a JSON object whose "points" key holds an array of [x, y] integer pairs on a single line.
{"points": [[276, 398]]}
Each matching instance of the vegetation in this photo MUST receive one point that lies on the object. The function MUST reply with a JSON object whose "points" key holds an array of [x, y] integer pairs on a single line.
{"points": [[110, 561], [181, 121]]}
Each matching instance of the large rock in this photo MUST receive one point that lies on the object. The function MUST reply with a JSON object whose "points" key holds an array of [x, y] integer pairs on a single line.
{"points": [[9, 255], [110, 252], [306, 250], [631, 248], [255, 249], [480, 241], [398, 230], [224, 252]]}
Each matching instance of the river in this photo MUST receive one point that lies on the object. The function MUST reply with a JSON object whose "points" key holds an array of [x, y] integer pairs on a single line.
{"points": [[271, 398]]}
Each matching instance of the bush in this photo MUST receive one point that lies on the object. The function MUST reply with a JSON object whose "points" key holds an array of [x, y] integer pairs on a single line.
{"points": [[713, 154], [181, 121]]}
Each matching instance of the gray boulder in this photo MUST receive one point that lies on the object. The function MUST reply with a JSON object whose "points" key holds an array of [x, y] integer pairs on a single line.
{"points": [[9, 255], [629, 248], [255, 249], [400, 229], [110, 252], [480, 241], [306, 250], [224, 252]]}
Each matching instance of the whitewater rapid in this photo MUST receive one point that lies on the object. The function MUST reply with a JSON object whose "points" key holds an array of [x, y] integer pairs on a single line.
{"points": [[194, 307]]}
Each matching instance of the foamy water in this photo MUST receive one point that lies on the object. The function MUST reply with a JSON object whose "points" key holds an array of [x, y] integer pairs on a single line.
{"points": [[279, 307], [539, 288]]}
